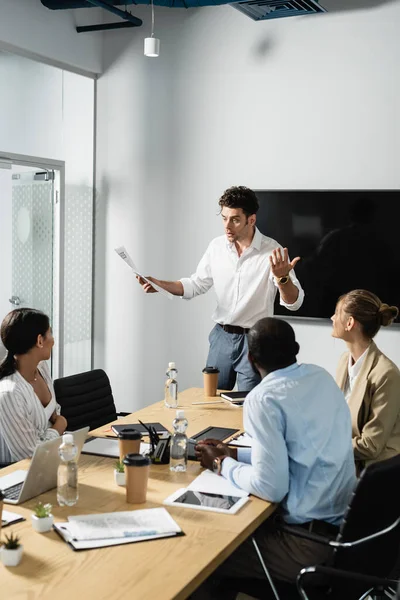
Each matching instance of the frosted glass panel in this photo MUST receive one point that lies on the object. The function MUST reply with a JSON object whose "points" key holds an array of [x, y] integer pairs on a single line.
{"points": [[78, 279]]}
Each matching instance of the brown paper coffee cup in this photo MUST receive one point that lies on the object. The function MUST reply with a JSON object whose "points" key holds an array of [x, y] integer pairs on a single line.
{"points": [[137, 469], [129, 442], [210, 376]]}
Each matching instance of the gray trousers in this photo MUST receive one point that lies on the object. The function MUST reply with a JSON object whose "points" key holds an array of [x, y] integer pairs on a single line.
{"points": [[229, 352], [284, 555]]}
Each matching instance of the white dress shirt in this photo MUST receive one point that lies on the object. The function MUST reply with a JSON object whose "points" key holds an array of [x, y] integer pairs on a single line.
{"points": [[352, 372], [301, 454], [245, 286], [24, 421]]}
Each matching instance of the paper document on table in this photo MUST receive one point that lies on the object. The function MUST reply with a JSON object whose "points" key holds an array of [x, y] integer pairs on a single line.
{"points": [[122, 252], [209, 482], [8, 518], [127, 524], [242, 440]]}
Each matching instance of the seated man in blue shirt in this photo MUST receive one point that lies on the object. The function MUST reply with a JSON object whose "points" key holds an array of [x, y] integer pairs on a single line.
{"points": [[301, 457]]}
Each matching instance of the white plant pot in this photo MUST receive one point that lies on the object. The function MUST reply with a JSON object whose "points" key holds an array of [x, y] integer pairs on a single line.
{"points": [[119, 477], [42, 524], [11, 558]]}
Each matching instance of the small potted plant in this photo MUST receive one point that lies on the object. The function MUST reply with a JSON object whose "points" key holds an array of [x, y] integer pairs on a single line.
{"points": [[42, 519], [119, 473], [11, 551]]}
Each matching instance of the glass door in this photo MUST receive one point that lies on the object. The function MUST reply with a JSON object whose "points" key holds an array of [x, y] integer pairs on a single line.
{"points": [[28, 205]]}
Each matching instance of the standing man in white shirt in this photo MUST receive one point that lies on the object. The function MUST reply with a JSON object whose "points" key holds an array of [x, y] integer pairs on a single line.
{"points": [[246, 269]]}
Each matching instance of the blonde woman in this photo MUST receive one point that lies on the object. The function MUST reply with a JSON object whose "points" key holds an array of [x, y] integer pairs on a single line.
{"points": [[369, 380]]}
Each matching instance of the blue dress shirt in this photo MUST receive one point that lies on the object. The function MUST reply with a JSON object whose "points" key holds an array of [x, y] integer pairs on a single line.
{"points": [[301, 453]]}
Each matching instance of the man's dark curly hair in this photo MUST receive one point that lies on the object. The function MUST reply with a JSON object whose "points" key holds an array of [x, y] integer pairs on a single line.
{"points": [[240, 197]]}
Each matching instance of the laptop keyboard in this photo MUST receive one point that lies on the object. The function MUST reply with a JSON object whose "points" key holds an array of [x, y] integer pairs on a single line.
{"points": [[13, 492]]}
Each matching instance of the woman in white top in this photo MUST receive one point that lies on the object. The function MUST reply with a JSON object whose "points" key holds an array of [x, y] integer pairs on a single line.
{"points": [[29, 413], [369, 380]]}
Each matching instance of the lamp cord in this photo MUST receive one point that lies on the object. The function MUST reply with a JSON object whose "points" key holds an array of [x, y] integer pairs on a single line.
{"points": [[152, 18]]}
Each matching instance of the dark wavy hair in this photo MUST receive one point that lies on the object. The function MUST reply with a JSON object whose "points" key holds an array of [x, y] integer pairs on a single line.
{"points": [[240, 197], [19, 332], [272, 344]]}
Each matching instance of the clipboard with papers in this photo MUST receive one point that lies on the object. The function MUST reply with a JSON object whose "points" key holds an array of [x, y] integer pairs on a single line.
{"points": [[86, 532]]}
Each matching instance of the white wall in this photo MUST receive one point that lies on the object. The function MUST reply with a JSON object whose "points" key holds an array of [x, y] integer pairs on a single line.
{"points": [[295, 103], [26, 26], [48, 113]]}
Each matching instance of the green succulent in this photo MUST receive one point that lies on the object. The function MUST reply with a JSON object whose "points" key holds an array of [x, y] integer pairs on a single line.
{"points": [[12, 542], [42, 510], [119, 466]]}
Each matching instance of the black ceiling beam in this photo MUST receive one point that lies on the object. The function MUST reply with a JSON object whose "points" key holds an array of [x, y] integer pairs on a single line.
{"points": [[106, 26], [128, 19]]}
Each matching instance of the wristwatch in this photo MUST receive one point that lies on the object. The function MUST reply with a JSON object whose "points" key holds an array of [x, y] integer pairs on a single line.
{"points": [[282, 280], [217, 465]]}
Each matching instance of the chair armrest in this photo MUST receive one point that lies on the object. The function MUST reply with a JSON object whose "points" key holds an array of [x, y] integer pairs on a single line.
{"points": [[303, 533], [367, 538], [341, 574], [123, 414]]}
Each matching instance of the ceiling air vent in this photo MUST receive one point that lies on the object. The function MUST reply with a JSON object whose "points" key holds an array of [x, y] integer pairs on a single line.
{"points": [[259, 10]]}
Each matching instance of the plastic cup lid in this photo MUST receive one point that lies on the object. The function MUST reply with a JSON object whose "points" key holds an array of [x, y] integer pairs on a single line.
{"points": [[129, 434], [136, 460], [210, 370]]}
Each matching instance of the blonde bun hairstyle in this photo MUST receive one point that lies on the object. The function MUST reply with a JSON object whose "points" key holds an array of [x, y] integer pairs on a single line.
{"points": [[387, 314], [368, 310]]}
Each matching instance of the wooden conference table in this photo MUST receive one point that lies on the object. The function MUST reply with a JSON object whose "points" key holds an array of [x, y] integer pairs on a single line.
{"points": [[164, 569]]}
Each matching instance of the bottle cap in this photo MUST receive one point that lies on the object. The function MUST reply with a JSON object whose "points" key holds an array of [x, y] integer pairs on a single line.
{"points": [[180, 414], [210, 370], [136, 460], [171, 365], [129, 434], [67, 438]]}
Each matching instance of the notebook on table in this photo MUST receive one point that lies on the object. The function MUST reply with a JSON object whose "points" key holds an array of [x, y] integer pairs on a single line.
{"points": [[237, 398], [138, 427]]}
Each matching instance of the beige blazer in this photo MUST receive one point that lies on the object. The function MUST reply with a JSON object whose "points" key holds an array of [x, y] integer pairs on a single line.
{"points": [[374, 406]]}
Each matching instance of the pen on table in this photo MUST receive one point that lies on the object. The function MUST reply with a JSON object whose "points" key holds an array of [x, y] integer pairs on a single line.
{"points": [[211, 402]]}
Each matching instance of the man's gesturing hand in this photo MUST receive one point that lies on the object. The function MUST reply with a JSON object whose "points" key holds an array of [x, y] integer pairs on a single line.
{"points": [[280, 265]]}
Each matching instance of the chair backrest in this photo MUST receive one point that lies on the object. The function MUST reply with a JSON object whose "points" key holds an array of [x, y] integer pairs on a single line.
{"points": [[374, 505], [86, 399]]}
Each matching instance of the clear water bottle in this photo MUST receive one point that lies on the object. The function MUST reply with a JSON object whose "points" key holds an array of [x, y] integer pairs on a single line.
{"points": [[171, 387], [67, 476], [179, 443]]}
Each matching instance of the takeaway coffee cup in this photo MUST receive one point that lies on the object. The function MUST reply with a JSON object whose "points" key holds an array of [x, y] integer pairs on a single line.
{"points": [[210, 375], [137, 469], [129, 442]]}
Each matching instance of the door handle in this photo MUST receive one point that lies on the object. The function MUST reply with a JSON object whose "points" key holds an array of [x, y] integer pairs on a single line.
{"points": [[15, 300]]}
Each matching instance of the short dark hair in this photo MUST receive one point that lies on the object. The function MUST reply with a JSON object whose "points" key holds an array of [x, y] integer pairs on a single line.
{"points": [[240, 197], [19, 332], [272, 344]]}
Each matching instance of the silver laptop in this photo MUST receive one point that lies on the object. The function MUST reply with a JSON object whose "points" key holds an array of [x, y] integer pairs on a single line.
{"points": [[41, 476]]}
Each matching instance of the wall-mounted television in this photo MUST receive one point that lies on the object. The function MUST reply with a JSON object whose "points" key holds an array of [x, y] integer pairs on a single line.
{"points": [[346, 240]]}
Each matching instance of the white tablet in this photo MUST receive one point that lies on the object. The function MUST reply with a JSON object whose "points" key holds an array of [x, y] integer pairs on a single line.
{"points": [[205, 501]]}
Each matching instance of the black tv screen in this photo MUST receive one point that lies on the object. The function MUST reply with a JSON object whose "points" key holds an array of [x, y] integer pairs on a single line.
{"points": [[346, 240]]}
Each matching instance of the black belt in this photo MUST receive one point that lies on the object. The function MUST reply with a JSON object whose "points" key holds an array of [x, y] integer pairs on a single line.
{"points": [[319, 527], [234, 329]]}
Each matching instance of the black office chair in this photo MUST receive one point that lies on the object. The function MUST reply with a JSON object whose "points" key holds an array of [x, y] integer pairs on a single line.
{"points": [[366, 551], [86, 399]]}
